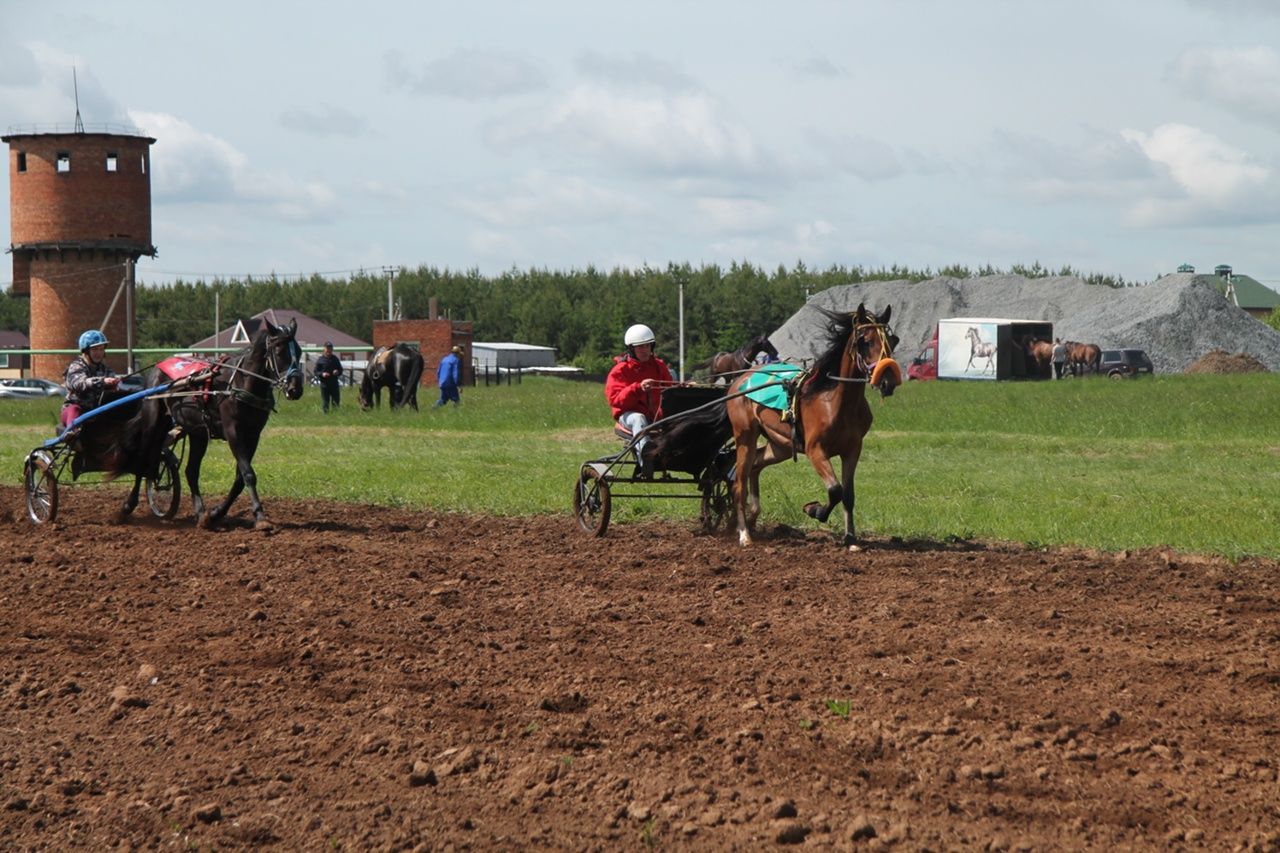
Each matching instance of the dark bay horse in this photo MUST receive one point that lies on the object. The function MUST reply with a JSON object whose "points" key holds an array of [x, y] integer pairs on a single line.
{"points": [[727, 365], [832, 413], [397, 368], [233, 406]]}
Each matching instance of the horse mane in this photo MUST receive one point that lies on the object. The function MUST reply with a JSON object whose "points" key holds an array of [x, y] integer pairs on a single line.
{"points": [[839, 328]]}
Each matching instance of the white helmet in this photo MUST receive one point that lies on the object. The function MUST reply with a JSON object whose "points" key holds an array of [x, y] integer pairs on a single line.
{"points": [[639, 334]]}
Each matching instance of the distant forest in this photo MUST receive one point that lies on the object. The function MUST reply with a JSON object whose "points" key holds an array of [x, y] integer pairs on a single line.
{"points": [[581, 313]]}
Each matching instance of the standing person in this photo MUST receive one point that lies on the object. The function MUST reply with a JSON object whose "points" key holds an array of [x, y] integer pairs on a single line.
{"points": [[634, 387], [1059, 357], [449, 378], [86, 377], [328, 371]]}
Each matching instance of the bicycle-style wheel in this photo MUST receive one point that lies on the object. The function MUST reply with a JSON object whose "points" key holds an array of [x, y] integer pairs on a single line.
{"points": [[41, 482]]}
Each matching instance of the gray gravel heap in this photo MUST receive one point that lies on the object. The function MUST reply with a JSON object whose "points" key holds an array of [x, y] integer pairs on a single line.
{"points": [[1177, 319]]}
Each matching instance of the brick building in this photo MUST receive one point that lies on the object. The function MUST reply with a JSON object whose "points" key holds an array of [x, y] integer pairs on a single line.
{"points": [[433, 338], [80, 216]]}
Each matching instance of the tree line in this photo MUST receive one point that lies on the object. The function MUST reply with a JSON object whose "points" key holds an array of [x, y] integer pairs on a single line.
{"points": [[582, 313]]}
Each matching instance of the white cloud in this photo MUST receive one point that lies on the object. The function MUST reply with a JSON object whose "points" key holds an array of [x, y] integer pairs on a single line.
{"points": [[860, 156], [1103, 167], [675, 135], [473, 75], [190, 165], [734, 214], [326, 121], [1215, 182], [637, 71], [1245, 81], [38, 85], [820, 66], [542, 199]]}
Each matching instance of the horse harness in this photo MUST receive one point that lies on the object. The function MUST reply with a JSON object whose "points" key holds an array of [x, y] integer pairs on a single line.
{"points": [[861, 348], [204, 397]]}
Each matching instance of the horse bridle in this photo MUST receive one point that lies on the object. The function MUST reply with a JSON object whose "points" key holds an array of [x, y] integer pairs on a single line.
{"points": [[860, 345], [295, 355]]}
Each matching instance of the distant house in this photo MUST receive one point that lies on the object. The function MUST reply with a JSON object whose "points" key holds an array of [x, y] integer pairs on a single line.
{"points": [[12, 365], [311, 336], [1249, 293]]}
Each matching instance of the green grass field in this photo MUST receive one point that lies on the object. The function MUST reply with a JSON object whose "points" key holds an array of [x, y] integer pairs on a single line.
{"points": [[1191, 462]]}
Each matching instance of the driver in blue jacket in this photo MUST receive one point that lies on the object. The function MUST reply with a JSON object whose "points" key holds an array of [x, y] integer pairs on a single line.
{"points": [[86, 377]]}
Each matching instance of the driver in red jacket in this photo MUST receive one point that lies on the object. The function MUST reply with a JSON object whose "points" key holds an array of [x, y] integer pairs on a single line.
{"points": [[634, 387]]}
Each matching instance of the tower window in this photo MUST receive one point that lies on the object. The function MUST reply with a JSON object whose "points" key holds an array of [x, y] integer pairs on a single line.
{"points": [[22, 161], [144, 164], [64, 161], [111, 161]]}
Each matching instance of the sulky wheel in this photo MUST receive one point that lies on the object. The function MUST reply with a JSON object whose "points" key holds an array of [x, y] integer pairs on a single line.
{"points": [[164, 493], [42, 488], [717, 503], [591, 504]]}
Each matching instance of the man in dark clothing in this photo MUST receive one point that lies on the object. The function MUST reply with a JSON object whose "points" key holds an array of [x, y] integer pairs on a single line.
{"points": [[328, 370]]}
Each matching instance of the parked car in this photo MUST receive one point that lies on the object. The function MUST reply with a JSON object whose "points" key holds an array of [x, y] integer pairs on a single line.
{"points": [[28, 389], [1125, 363]]}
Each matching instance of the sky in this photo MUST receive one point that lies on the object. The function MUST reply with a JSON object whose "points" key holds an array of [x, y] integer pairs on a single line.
{"points": [[1122, 138]]}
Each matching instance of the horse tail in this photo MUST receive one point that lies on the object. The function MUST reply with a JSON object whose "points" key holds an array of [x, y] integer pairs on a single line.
{"points": [[411, 382], [143, 438]]}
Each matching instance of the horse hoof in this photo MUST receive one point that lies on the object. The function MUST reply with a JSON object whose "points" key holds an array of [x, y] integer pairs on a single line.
{"points": [[120, 517], [811, 509], [205, 522], [744, 539], [263, 524]]}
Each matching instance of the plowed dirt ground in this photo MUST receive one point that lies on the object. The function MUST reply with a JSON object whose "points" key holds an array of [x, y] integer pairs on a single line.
{"points": [[371, 678]]}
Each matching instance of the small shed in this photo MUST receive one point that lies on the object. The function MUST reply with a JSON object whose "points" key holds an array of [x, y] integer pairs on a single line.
{"points": [[491, 357]]}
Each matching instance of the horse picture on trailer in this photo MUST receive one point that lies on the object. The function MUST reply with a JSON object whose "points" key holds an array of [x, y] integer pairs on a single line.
{"points": [[828, 415]]}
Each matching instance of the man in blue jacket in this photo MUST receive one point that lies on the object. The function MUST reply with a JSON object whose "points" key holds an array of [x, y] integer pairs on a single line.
{"points": [[449, 377]]}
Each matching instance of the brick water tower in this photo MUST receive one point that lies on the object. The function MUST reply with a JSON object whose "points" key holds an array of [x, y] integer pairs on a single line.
{"points": [[80, 217]]}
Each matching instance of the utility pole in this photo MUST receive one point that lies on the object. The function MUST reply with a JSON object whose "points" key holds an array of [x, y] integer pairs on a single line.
{"points": [[681, 312], [128, 316]]}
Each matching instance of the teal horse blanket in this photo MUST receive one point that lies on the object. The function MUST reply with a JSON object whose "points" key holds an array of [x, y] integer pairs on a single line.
{"points": [[772, 375]]}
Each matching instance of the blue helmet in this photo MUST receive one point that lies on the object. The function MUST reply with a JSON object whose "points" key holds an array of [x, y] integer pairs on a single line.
{"points": [[92, 338]]}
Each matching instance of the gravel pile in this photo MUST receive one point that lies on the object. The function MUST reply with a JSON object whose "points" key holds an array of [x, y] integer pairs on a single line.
{"points": [[1177, 319]]}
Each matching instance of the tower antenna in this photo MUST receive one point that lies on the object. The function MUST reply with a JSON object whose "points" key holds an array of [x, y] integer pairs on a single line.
{"points": [[75, 84]]}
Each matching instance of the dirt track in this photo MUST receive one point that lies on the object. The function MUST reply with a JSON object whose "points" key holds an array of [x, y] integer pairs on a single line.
{"points": [[371, 678]]}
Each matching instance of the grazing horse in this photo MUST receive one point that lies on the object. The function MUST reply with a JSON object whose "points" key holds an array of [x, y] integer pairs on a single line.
{"points": [[232, 406], [397, 368], [1083, 358], [727, 365], [831, 414], [978, 349], [1042, 353]]}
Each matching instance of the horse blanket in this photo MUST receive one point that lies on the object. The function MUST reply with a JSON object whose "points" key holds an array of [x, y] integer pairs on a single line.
{"points": [[772, 375]]}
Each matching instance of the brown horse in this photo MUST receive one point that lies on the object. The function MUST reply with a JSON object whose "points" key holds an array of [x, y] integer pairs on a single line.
{"points": [[1042, 353], [1083, 357], [832, 417], [727, 365]]}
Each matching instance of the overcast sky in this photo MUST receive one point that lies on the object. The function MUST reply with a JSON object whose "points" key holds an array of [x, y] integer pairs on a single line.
{"points": [[1121, 137]]}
